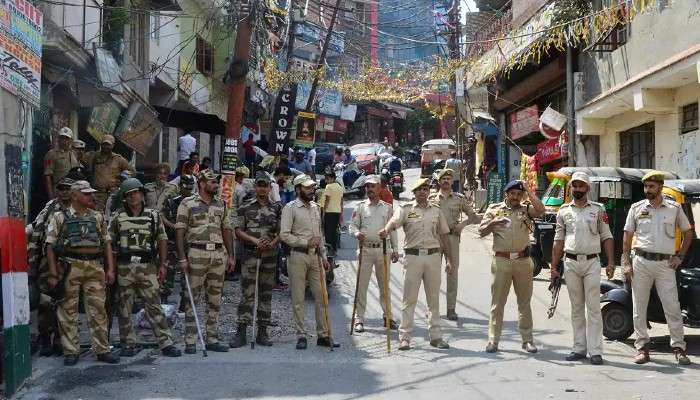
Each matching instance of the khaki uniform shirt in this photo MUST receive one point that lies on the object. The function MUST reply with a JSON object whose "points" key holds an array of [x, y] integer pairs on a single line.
{"points": [[56, 223], [369, 219], [513, 237], [203, 222], [301, 222], [452, 206], [422, 226], [58, 162], [156, 194], [106, 169], [655, 228], [582, 228]]}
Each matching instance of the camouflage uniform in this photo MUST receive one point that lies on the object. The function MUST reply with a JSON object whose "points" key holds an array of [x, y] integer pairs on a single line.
{"points": [[136, 238], [261, 222], [203, 223], [79, 240], [157, 194], [169, 211]]}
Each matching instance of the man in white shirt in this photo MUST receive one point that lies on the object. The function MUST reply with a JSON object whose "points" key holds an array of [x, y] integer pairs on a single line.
{"points": [[311, 158], [186, 145]]}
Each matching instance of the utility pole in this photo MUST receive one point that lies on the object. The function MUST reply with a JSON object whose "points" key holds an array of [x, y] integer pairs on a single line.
{"points": [[455, 54], [236, 99], [322, 58]]}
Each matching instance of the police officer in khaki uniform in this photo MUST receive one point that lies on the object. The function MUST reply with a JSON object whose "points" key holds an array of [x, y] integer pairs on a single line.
{"points": [[511, 222], [581, 226], [104, 167], [652, 223], [160, 190], [79, 150], [452, 205], [426, 239], [300, 229], [368, 218], [58, 161]]}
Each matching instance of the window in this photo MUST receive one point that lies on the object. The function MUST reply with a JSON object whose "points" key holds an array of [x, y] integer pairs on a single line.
{"points": [[689, 118], [637, 147], [137, 42], [205, 57], [155, 27]]}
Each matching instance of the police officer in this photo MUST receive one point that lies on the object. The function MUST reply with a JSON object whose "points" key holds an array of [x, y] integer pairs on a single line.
{"points": [[79, 236], [426, 230], [452, 205], [581, 226], [653, 223], [169, 216], [510, 221], [368, 218], [79, 149], [257, 227], [160, 189], [58, 161], [301, 230], [105, 167], [115, 200], [204, 224], [139, 234]]}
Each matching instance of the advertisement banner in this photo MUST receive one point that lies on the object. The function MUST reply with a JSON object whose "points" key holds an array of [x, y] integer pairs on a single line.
{"points": [[306, 129], [524, 122], [330, 102], [282, 119], [228, 185], [138, 128], [21, 30], [229, 156], [103, 120]]}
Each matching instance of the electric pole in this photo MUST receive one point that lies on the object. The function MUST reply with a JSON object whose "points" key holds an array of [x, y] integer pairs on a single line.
{"points": [[236, 99], [322, 57], [455, 54]]}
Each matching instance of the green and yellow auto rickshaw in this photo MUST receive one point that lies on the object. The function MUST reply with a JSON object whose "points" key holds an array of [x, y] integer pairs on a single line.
{"points": [[616, 188]]}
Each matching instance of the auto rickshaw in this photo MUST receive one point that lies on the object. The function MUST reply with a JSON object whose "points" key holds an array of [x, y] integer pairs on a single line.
{"points": [[616, 296], [615, 188]]}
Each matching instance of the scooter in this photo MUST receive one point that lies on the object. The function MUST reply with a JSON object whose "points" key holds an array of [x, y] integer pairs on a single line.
{"points": [[352, 178]]}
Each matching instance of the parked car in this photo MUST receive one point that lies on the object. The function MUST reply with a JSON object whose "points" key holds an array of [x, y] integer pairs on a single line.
{"points": [[367, 156], [435, 149], [324, 155]]}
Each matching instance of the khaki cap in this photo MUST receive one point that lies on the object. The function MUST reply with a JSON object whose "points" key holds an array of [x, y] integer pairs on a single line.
{"points": [[82, 186], [419, 183], [208, 175], [581, 177], [655, 176], [108, 139], [374, 179], [304, 180], [66, 131], [445, 172]]}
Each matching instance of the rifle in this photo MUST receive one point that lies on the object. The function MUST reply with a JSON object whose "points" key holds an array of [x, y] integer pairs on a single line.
{"points": [[555, 288]]}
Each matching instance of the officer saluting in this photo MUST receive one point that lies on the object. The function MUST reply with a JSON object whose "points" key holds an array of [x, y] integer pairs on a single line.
{"points": [[510, 222], [139, 234], [368, 218], [581, 226], [426, 230], [653, 223], [79, 237], [452, 205]]}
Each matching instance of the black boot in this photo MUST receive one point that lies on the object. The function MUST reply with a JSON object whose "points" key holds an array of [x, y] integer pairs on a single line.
{"points": [[45, 346], [240, 339], [262, 338]]}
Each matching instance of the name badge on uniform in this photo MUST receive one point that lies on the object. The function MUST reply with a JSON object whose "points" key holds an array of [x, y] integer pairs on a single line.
{"points": [[412, 214], [210, 246], [644, 214], [136, 259]]}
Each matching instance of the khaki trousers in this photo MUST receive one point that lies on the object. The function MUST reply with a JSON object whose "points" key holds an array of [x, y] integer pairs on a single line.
{"points": [[303, 268], [421, 269], [452, 277], [647, 274], [371, 259], [583, 283], [503, 273]]}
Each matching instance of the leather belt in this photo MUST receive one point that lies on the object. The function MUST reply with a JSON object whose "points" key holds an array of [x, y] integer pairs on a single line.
{"points": [[652, 256], [372, 245], [305, 250], [580, 257], [513, 255], [421, 252], [84, 257], [207, 246]]}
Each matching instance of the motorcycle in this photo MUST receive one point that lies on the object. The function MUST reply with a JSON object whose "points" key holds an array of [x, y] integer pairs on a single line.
{"points": [[352, 178], [395, 180]]}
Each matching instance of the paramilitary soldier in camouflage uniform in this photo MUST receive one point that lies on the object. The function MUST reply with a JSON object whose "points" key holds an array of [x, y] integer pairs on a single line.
{"points": [[169, 214], [138, 234], [160, 190], [39, 270], [257, 226], [79, 237], [203, 223]]}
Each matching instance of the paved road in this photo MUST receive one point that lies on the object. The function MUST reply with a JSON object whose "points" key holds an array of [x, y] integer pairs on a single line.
{"points": [[362, 369]]}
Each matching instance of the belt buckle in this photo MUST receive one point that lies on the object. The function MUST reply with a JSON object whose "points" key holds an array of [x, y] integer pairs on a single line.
{"points": [[210, 246], [581, 257], [136, 259], [422, 252], [514, 256]]}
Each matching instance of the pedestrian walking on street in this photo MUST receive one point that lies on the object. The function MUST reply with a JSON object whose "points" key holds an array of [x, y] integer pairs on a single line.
{"points": [[332, 205], [369, 217], [77, 242], [581, 226], [257, 225], [203, 231], [140, 240], [301, 231], [426, 232], [652, 223], [452, 205], [510, 222]]}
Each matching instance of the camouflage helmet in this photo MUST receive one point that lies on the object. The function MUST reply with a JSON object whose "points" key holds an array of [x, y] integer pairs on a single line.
{"points": [[131, 184]]}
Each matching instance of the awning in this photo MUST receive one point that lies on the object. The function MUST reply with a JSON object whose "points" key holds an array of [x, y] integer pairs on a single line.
{"points": [[397, 111], [191, 121]]}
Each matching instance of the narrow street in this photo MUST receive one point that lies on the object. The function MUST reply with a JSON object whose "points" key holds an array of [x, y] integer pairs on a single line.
{"points": [[361, 368]]}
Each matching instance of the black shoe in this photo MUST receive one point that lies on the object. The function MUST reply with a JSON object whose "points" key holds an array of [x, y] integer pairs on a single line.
{"points": [[326, 342], [301, 343], [217, 347], [392, 324], [190, 349], [129, 351], [452, 315], [239, 340], [596, 360], [70, 360], [575, 356], [261, 338], [45, 346], [108, 358], [440, 344], [171, 351], [491, 347], [57, 347]]}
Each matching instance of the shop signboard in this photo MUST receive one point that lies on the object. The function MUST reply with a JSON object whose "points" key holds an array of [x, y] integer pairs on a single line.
{"points": [[330, 102], [306, 129], [524, 122], [282, 120], [139, 127], [494, 187], [229, 156], [103, 120]]}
